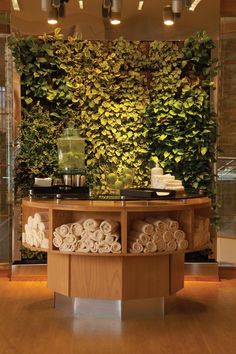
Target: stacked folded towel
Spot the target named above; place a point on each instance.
(36, 231)
(167, 181)
(156, 235)
(88, 235)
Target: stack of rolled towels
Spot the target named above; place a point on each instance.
(156, 234)
(36, 231)
(88, 235)
(201, 235)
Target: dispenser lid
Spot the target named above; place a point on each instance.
(71, 132)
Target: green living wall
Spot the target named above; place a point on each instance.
(132, 101)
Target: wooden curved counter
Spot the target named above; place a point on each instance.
(117, 276)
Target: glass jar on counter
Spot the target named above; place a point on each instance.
(71, 151)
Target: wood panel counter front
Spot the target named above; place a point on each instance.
(124, 275)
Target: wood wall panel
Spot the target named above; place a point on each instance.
(228, 8)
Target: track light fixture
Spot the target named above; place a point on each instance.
(55, 9)
(177, 7)
(53, 16)
(115, 12)
(168, 16)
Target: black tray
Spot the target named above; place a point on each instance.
(60, 192)
(148, 193)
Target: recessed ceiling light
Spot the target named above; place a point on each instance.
(15, 5)
(81, 4)
(194, 5)
(140, 5)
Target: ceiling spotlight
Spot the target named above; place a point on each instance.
(115, 18)
(62, 10)
(53, 16)
(177, 7)
(56, 3)
(45, 5)
(115, 15)
(168, 16)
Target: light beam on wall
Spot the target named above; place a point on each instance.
(15, 5)
(194, 5)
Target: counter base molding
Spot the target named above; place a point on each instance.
(114, 309)
(201, 271)
(122, 284)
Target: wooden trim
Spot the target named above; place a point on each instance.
(5, 6)
(5, 271)
(227, 8)
(227, 272)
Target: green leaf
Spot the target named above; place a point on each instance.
(162, 137)
(28, 100)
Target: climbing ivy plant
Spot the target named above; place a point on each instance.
(182, 126)
(132, 101)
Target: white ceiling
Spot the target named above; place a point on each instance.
(136, 25)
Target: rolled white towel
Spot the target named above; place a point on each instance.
(157, 235)
(139, 237)
(37, 218)
(97, 235)
(30, 221)
(135, 247)
(116, 247)
(109, 226)
(150, 247)
(159, 225)
(65, 247)
(70, 239)
(76, 228)
(116, 237)
(161, 246)
(109, 239)
(34, 224)
(57, 240)
(89, 243)
(38, 238)
(42, 226)
(94, 249)
(29, 238)
(64, 230)
(45, 243)
(103, 247)
(23, 237)
(82, 247)
(182, 244)
(27, 229)
(179, 235)
(86, 234)
(171, 245)
(143, 226)
(172, 225)
(167, 236)
(91, 224)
